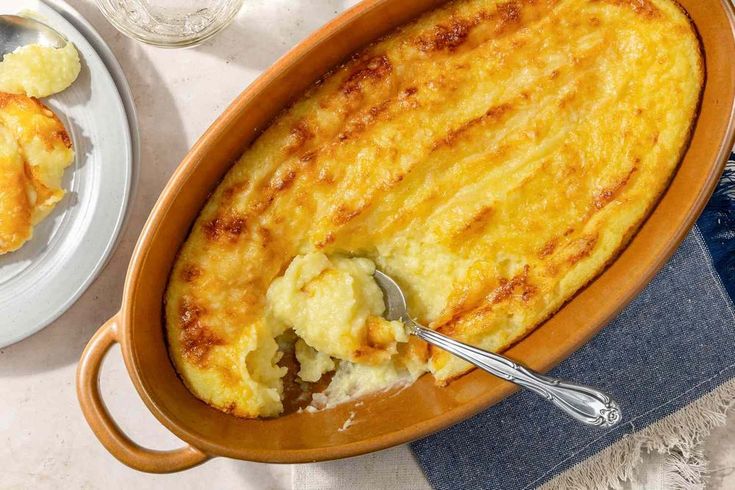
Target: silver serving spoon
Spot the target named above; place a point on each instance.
(583, 403)
(17, 31)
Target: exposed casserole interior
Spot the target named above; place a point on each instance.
(39, 71)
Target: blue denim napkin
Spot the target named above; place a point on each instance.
(671, 346)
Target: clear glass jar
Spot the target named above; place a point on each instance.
(170, 23)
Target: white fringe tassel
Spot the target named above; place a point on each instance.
(679, 436)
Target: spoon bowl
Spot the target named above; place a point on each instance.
(583, 403)
(17, 31)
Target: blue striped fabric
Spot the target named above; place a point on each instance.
(673, 344)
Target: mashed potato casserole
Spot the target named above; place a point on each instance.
(492, 156)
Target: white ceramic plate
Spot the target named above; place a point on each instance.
(70, 247)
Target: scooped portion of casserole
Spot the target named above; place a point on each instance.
(492, 156)
(35, 148)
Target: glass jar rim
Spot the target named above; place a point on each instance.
(163, 41)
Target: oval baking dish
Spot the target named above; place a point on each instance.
(423, 408)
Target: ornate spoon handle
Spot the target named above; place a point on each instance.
(585, 404)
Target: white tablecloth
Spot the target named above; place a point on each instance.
(44, 440)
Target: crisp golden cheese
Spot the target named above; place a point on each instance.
(492, 156)
(39, 71)
(15, 195)
(33, 136)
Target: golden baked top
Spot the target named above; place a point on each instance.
(492, 156)
(34, 151)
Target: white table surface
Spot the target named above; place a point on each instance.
(44, 440)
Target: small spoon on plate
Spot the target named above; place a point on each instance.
(17, 31)
(585, 404)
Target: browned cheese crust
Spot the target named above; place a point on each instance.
(493, 156)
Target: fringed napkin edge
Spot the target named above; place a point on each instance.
(680, 436)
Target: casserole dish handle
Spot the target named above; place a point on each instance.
(105, 428)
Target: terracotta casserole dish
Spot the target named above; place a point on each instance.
(422, 408)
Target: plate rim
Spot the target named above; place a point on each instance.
(111, 63)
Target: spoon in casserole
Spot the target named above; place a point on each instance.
(583, 403)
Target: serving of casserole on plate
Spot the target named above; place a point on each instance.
(504, 160)
(79, 149)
